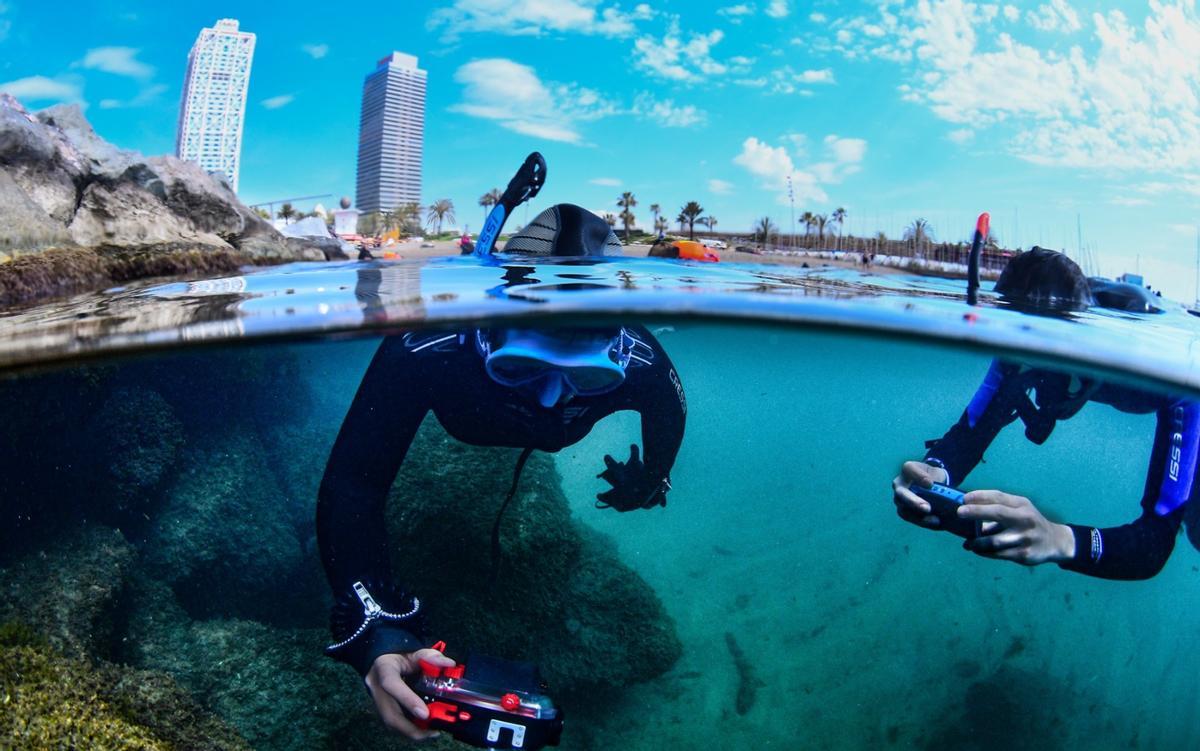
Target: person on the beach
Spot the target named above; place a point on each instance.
(536, 389)
(1012, 527)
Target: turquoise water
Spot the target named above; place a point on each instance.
(157, 515)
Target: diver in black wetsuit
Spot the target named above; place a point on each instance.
(540, 389)
(1013, 528)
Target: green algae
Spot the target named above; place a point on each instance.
(52, 701)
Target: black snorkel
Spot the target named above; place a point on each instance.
(523, 186)
(981, 233)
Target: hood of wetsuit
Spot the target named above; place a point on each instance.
(565, 230)
(1044, 281)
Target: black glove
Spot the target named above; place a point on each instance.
(632, 486)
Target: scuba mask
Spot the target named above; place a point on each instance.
(553, 362)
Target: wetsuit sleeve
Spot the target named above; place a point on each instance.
(1140, 549)
(992, 408)
(657, 395)
(393, 398)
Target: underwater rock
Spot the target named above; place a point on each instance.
(52, 701)
(223, 539)
(61, 185)
(68, 593)
(136, 438)
(274, 685)
(562, 599)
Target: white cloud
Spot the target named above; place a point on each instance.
(147, 95)
(607, 182)
(666, 113)
(514, 97)
(674, 59)
(121, 61)
(1012, 12)
(275, 102)
(1056, 15)
(315, 51)
(961, 135)
(817, 17)
(785, 80)
(720, 187)
(778, 9)
(735, 12)
(536, 18)
(43, 89)
(846, 150)
(1188, 230)
(824, 75)
(773, 165)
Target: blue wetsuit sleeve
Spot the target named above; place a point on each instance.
(992, 408)
(375, 436)
(1140, 549)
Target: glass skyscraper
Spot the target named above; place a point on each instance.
(214, 99)
(391, 135)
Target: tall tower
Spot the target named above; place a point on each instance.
(214, 99)
(391, 134)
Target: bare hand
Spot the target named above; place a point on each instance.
(392, 696)
(910, 507)
(1014, 530)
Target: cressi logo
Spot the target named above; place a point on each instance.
(1176, 447)
(678, 390)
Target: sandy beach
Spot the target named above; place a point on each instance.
(413, 249)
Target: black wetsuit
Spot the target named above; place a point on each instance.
(412, 374)
(1136, 550)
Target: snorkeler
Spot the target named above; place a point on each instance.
(1011, 526)
(535, 389)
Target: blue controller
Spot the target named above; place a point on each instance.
(945, 500)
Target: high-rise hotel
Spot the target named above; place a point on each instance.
(391, 135)
(214, 99)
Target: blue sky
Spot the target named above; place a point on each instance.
(1038, 112)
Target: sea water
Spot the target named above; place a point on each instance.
(807, 613)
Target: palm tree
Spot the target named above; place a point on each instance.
(262, 212)
(409, 216)
(439, 211)
(655, 210)
(807, 218)
(918, 233)
(661, 224)
(839, 217)
(764, 230)
(285, 212)
(627, 202)
(612, 220)
(390, 220)
(682, 221)
(488, 200)
(820, 220)
(691, 211)
(710, 222)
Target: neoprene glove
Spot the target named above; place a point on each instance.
(632, 486)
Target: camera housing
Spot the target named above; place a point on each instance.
(490, 703)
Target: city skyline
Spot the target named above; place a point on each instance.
(212, 109)
(391, 135)
(1051, 115)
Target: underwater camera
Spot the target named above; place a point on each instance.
(945, 500)
(490, 703)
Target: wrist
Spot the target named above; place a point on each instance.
(1064, 543)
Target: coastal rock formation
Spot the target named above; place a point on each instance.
(68, 592)
(561, 597)
(61, 185)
